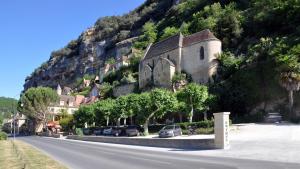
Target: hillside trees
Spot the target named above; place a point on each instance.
(149, 35)
(34, 103)
(289, 69)
(168, 32)
(225, 22)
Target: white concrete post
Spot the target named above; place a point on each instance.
(222, 130)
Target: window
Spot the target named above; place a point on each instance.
(201, 53)
(168, 57)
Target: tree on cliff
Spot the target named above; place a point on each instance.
(289, 69)
(195, 97)
(149, 36)
(155, 104)
(34, 103)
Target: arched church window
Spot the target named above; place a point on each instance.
(201, 53)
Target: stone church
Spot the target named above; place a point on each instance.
(195, 55)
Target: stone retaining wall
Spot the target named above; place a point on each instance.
(151, 142)
(124, 89)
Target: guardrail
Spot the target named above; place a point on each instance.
(151, 142)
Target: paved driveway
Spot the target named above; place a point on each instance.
(273, 142)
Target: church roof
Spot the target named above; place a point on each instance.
(163, 46)
(198, 37)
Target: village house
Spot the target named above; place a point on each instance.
(195, 55)
(66, 102)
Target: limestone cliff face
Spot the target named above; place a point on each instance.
(109, 37)
(86, 58)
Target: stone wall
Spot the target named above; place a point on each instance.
(146, 66)
(151, 142)
(124, 89)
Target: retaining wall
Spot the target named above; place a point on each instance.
(151, 142)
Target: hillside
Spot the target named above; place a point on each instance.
(253, 34)
(7, 106)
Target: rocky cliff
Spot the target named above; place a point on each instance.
(110, 37)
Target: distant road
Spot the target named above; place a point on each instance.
(86, 155)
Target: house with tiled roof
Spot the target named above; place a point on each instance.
(195, 55)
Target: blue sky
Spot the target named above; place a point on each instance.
(31, 29)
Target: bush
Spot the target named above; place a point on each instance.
(155, 128)
(3, 136)
(200, 124)
(79, 131)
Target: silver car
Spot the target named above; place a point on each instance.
(107, 131)
(170, 131)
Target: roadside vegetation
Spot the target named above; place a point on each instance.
(17, 154)
(148, 108)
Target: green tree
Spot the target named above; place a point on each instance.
(155, 104)
(168, 32)
(35, 103)
(103, 110)
(149, 36)
(289, 68)
(120, 110)
(195, 98)
(67, 122)
(132, 106)
(225, 22)
(84, 115)
(184, 28)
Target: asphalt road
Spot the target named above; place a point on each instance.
(86, 155)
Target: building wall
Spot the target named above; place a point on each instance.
(201, 70)
(163, 73)
(146, 66)
(57, 109)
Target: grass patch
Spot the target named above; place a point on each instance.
(20, 155)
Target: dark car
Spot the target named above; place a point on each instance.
(118, 131)
(170, 131)
(98, 131)
(273, 118)
(134, 130)
(86, 131)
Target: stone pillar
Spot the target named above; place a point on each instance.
(221, 130)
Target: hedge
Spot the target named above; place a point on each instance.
(3, 136)
(200, 124)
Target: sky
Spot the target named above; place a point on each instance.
(31, 29)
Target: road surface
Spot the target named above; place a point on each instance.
(86, 155)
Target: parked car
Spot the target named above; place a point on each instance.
(134, 130)
(86, 131)
(107, 131)
(118, 131)
(170, 131)
(98, 131)
(273, 118)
